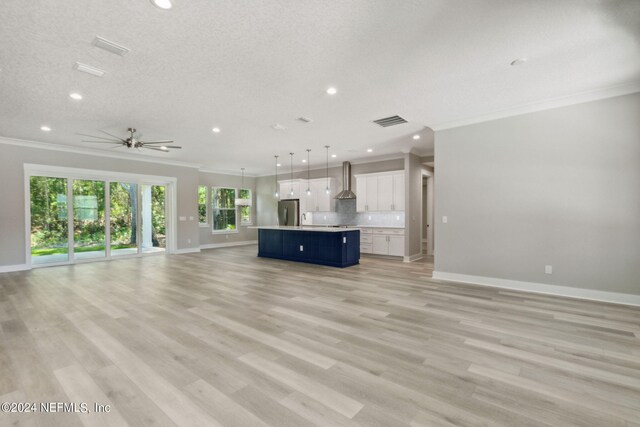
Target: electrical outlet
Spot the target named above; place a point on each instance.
(444, 219)
(548, 269)
(397, 217)
(324, 217)
(369, 217)
(301, 248)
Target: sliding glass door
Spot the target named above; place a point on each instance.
(74, 219)
(49, 220)
(154, 234)
(123, 218)
(89, 219)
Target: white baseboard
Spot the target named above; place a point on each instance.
(541, 288)
(186, 251)
(411, 258)
(227, 244)
(16, 267)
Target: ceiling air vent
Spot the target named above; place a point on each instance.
(304, 119)
(88, 69)
(390, 121)
(110, 46)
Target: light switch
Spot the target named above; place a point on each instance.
(183, 218)
(444, 219)
(548, 269)
(190, 218)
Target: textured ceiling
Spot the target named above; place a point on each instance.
(246, 65)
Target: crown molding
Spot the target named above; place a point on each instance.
(563, 101)
(228, 172)
(92, 152)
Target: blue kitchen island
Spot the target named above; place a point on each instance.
(337, 247)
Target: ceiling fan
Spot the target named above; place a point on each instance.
(133, 141)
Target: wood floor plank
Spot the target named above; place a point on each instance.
(222, 337)
(332, 399)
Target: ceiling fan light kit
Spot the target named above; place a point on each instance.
(132, 141)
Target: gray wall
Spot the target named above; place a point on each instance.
(413, 205)
(244, 233)
(558, 187)
(12, 214)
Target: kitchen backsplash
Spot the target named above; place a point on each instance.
(346, 214)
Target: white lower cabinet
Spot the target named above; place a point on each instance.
(382, 241)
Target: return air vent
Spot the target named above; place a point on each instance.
(390, 121)
(110, 46)
(88, 69)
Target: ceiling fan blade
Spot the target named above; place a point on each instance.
(157, 149)
(111, 135)
(105, 142)
(173, 146)
(97, 137)
(167, 141)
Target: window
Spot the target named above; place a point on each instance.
(224, 209)
(202, 204)
(245, 211)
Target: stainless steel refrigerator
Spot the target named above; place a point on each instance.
(289, 212)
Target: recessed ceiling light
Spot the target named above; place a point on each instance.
(75, 95)
(278, 165)
(369, 150)
(216, 130)
(162, 4)
(518, 61)
(332, 91)
(416, 136)
(304, 160)
(334, 156)
(45, 128)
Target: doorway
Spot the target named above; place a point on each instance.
(77, 218)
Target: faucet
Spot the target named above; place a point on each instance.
(304, 216)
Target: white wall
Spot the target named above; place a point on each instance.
(558, 187)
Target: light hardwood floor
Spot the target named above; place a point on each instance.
(225, 338)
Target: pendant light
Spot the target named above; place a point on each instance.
(291, 192)
(308, 183)
(327, 190)
(276, 194)
(239, 201)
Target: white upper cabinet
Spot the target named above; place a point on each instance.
(380, 192)
(317, 201)
(398, 192)
(285, 189)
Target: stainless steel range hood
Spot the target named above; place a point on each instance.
(346, 192)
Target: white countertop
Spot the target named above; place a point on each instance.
(379, 226)
(307, 228)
